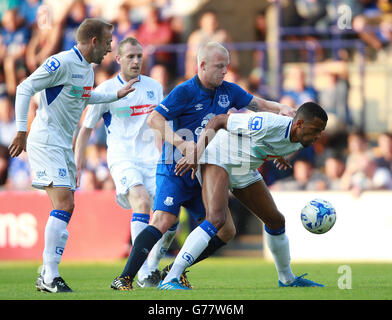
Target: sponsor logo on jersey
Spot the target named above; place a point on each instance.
(223, 100)
(199, 106)
(81, 92)
(123, 112)
(51, 65)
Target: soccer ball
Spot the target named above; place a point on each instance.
(318, 216)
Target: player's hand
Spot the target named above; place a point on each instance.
(151, 108)
(184, 165)
(286, 110)
(127, 88)
(18, 144)
(282, 164)
(189, 161)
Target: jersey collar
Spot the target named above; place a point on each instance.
(287, 134)
(80, 56)
(122, 81)
(200, 85)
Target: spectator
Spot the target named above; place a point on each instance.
(154, 31)
(123, 26)
(7, 121)
(334, 169)
(372, 26)
(208, 30)
(361, 172)
(160, 73)
(28, 10)
(43, 43)
(298, 89)
(76, 13)
(14, 40)
(304, 178)
(366, 175)
(384, 149)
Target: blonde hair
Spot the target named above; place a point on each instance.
(205, 50)
(132, 41)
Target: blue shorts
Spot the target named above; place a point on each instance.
(172, 193)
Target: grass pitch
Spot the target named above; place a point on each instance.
(213, 279)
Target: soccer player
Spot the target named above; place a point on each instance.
(189, 106)
(65, 82)
(132, 151)
(230, 161)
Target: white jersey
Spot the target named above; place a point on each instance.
(65, 82)
(250, 140)
(129, 138)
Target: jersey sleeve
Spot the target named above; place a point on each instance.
(53, 72)
(250, 124)
(173, 105)
(95, 111)
(241, 97)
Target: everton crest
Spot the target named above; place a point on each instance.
(223, 100)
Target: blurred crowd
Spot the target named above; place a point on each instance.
(344, 159)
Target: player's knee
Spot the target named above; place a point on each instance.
(218, 219)
(141, 206)
(227, 233)
(276, 221)
(65, 205)
(163, 221)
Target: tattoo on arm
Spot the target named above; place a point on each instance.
(252, 106)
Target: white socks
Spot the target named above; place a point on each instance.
(194, 245)
(279, 246)
(56, 236)
(161, 247)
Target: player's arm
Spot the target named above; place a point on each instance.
(190, 160)
(80, 150)
(49, 74)
(163, 130)
(107, 97)
(260, 104)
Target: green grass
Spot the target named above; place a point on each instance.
(213, 279)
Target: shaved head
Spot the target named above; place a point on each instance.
(206, 51)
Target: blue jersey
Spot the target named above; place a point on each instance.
(189, 107)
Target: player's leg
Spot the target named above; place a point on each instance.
(56, 235)
(215, 199)
(54, 170)
(258, 199)
(165, 215)
(139, 199)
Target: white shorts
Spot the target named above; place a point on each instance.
(50, 164)
(126, 175)
(240, 177)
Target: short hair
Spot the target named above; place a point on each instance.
(310, 110)
(132, 41)
(205, 49)
(92, 27)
